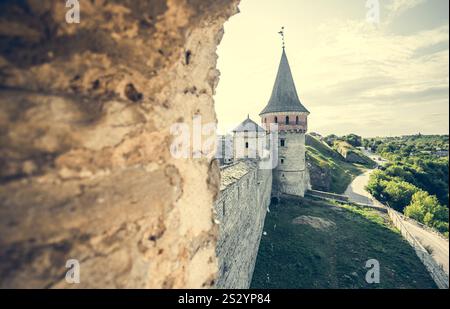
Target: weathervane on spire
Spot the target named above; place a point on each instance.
(282, 36)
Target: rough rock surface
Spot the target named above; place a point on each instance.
(320, 176)
(350, 153)
(315, 222)
(85, 166)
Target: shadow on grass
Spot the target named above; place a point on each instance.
(302, 256)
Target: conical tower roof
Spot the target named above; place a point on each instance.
(284, 95)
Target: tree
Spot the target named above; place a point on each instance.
(367, 142)
(396, 170)
(399, 193)
(425, 208)
(415, 211)
(377, 184)
(329, 139)
(353, 139)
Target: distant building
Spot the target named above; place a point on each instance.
(441, 153)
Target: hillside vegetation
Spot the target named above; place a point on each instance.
(351, 153)
(415, 181)
(315, 244)
(329, 171)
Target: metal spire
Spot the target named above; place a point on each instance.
(282, 37)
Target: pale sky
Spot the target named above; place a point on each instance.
(353, 76)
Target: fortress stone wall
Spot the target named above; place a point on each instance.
(240, 210)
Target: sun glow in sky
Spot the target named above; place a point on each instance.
(380, 79)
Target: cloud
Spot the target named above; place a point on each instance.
(376, 77)
(397, 7)
(407, 97)
(352, 75)
(423, 51)
(359, 86)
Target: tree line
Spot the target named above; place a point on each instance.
(415, 181)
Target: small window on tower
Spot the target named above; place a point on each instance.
(246, 145)
(296, 120)
(276, 119)
(282, 142)
(282, 161)
(287, 119)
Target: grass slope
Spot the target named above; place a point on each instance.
(342, 172)
(300, 256)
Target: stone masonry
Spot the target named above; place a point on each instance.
(241, 209)
(291, 175)
(85, 167)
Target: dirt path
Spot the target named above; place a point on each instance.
(439, 247)
(356, 189)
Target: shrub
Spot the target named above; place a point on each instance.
(399, 193)
(377, 184)
(353, 139)
(425, 208)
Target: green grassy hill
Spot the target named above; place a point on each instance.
(315, 244)
(329, 170)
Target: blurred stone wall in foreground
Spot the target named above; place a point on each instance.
(85, 166)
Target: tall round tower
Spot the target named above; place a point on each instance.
(285, 109)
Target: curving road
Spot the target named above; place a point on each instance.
(431, 241)
(356, 190)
